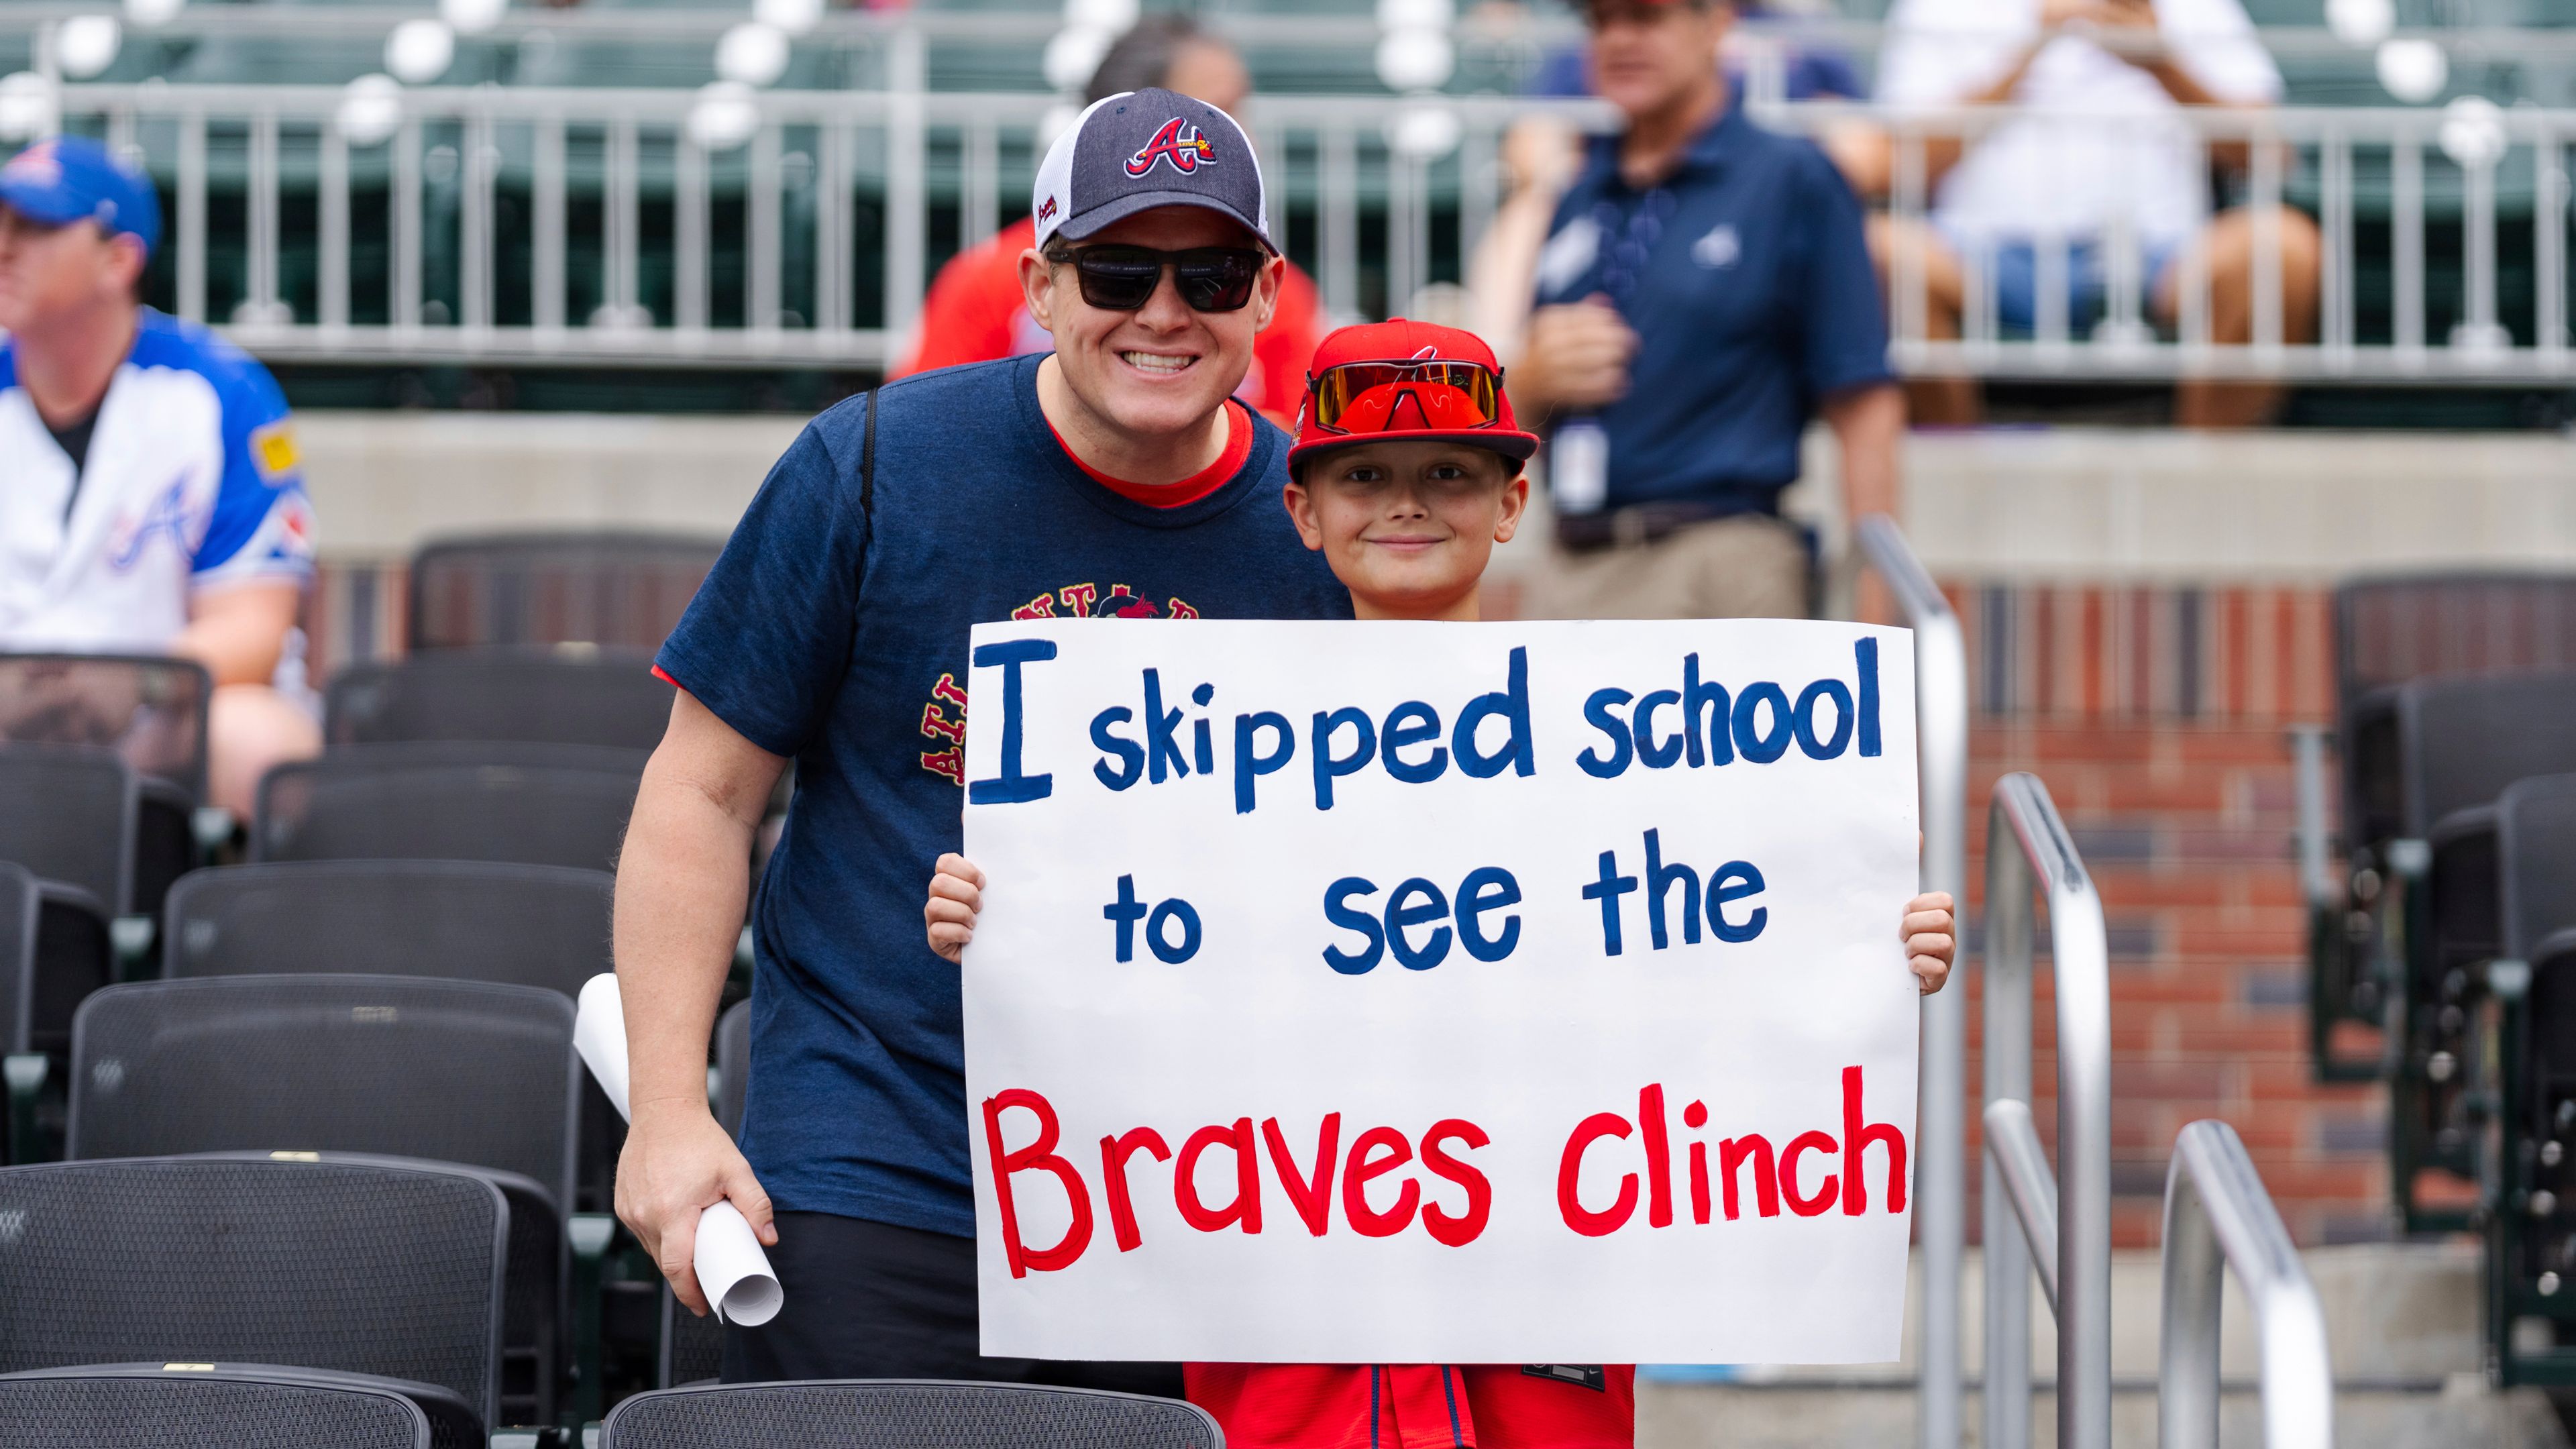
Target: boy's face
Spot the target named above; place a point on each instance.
(1408, 526)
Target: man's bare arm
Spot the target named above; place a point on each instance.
(1869, 431)
(238, 632)
(683, 881)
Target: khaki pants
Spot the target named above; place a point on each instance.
(1749, 566)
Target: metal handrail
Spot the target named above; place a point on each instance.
(1940, 1175)
(2218, 1216)
(2013, 1142)
(2029, 853)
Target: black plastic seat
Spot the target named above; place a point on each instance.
(903, 1414)
(609, 698)
(616, 590)
(55, 950)
(152, 711)
(371, 1267)
(451, 1071)
(693, 1347)
(522, 925)
(67, 814)
(237, 1405)
(560, 805)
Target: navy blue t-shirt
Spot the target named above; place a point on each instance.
(838, 635)
(1747, 278)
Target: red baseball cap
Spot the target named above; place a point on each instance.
(1407, 381)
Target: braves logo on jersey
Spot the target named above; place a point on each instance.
(167, 514)
(943, 717)
(1186, 151)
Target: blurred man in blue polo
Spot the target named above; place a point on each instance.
(150, 497)
(1705, 292)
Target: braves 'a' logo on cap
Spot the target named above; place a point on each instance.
(1186, 151)
(1046, 208)
(36, 164)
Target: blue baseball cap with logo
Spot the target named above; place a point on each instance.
(71, 178)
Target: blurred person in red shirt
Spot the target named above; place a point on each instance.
(974, 312)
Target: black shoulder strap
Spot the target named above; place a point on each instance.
(868, 461)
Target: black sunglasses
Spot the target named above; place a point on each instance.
(1123, 278)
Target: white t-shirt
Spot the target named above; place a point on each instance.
(2042, 175)
(192, 483)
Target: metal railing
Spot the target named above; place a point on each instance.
(2218, 1216)
(1940, 1178)
(450, 234)
(2402, 178)
(2028, 854)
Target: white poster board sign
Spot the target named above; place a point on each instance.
(1423, 993)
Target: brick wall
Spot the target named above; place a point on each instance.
(2157, 718)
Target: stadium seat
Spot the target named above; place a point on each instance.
(150, 710)
(521, 925)
(54, 952)
(530, 804)
(372, 1267)
(900, 1414)
(2460, 742)
(693, 1347)
(240, 1406)
(71, 817)
(2388, 633)
(2532, 1240)
(450, 1071)
(609, 698)
(610, 589)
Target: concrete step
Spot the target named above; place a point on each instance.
(2461, 1413)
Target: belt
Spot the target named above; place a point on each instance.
(1639, 523)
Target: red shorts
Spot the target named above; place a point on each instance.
(1419, 1406)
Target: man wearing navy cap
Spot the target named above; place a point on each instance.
(151, 500)
(1705, 293)
(1114, 476)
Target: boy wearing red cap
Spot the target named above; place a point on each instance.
(1406, 472)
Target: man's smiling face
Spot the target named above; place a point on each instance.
(1163, 368)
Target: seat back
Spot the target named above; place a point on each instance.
(67, 814)
(455, 1071)
(2462, 741)
(151, 711)
(240, 1406)
(900, 1414)
(610, 699)
(2536, 848)
(530, 804)
(733, 1065)
(372, 1268)
(2391, 631)
(617, 590)
(522, 925)
(22, 908)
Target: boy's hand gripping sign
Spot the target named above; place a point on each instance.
(1421, 993)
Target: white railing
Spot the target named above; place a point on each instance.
(2338, 157)
(454, 284)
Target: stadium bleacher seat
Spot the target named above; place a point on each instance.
(530, 804)
(524, 925)
(2531, 1240)
(888, 1413)
(693, 1347)
(613, 590)
(71, 817)
(150, 710)
(611, 698)
(450, 1071)
(54, 951)
(240, 1406)
(361, 1266)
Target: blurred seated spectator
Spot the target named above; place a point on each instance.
(974, 312)
(151, 499)
(2099, 149)
(1807, 72)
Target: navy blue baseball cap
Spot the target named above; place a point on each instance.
(72, 178)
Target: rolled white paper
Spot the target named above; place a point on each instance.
(732, 1270)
